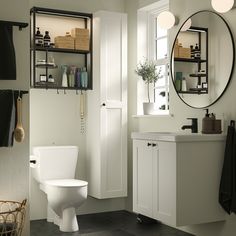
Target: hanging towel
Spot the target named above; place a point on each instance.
(7, 118)
(7, 53)
(227, 182)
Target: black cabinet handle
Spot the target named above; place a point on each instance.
(154, 144)
(104, 104)
(33, 161)
(149, 144)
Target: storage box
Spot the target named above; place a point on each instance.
(67, 42)
(176, 50)
(77, 32)
(184, 52)
(82, 43)
(81, 37)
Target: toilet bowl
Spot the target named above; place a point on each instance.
(54, 169)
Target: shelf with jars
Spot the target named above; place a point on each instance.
(61, 49)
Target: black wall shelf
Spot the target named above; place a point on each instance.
(21, 25)
(42, 53)
(190, 60)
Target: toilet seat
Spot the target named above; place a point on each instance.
(66, 183)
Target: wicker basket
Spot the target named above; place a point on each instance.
(12, 215)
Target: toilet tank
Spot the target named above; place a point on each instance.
(54, 162)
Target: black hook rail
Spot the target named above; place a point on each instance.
(21, 25)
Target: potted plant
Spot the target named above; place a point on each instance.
(148, 71)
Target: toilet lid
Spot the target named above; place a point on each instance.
(66, 183)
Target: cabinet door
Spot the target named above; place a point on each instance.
(113, 99)
(143, 177)
(164, 190)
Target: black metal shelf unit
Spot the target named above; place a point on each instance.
(198, 61)
(84, 55)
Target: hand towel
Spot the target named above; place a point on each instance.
(7, 53)
(7, 118)
(227, 179)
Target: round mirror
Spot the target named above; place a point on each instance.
(202, 59)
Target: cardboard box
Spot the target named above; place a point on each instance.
(184, 52)
(78, 32)
(67, 42)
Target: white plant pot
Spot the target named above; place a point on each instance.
(148, 108)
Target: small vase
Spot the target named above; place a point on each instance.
(148, 108)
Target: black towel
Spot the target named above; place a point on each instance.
(7, 117)
(7, 53)
(227, 183)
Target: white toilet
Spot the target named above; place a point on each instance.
(54, 168)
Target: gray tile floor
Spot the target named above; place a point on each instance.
(117, 223)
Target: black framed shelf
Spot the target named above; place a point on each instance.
(48, 85)
(201, 91)
(60, 50)
(80, 61)
(187, 65)
(190, 60)
(197, 75)
(44, 66)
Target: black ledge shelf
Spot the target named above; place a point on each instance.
(193, 92)
(61, 50)
(197, 75)
(43, 66)
(191, 60)
(51, 86)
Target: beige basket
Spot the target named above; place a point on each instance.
(12, 215)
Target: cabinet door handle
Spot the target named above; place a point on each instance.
(154, 144)
(149, 144)
(104, 104)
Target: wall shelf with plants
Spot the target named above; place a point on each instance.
(61, 49)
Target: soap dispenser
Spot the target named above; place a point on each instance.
(208, 123)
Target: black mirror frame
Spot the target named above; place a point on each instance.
(233, 60)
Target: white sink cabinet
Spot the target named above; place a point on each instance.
(176, 177)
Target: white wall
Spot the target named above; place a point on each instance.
(55, 118)
(14, 165)
(182, 9)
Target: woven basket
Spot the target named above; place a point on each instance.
(12, 215)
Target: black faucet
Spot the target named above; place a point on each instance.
(193, 127)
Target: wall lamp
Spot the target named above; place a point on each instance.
(222, 6)
(166, 20)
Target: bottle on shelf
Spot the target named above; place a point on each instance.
(192, 51)
(38, 38)
(46, 40)
(84, 78)
(51, 79)
(72, 76)
(197, 54)
(78, 78)
(64, 76)
(184, 85)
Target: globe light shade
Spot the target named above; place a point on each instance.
(186, 25)
(166, 20)
(222, 6)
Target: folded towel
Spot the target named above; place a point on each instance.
(7, 118)
(7, 53)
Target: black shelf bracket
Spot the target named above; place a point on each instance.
(21, 25)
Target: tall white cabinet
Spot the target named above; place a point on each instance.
(107, 108)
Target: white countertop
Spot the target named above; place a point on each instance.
(178, 137)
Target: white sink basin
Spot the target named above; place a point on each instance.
(177, 136)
